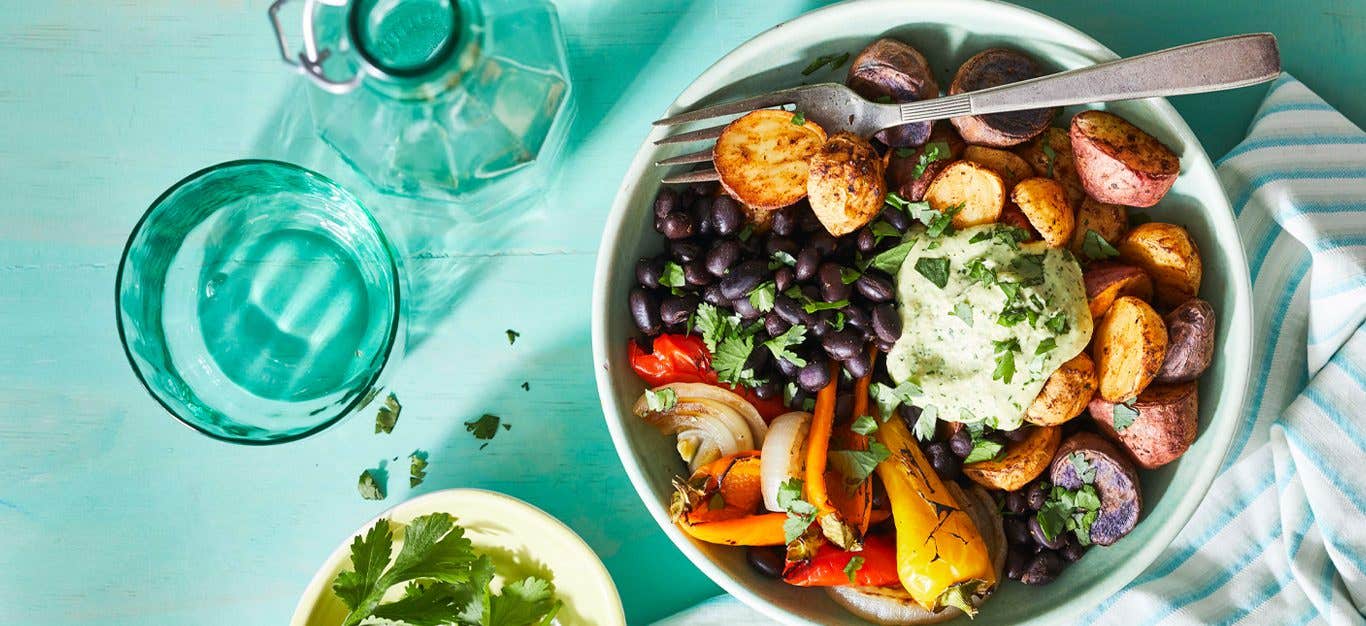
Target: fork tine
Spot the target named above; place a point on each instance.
(694, 135)
(776, 98)
(701, 156)
(692, 177)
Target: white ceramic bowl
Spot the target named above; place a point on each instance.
(947, 32)
(518, 537)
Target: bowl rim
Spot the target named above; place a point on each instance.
(1239, 284)
(395, 325)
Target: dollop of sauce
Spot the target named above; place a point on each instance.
(985, 320)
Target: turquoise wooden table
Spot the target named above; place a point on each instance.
(111, 513)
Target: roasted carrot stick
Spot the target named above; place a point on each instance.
(818, 444)
(860, 505)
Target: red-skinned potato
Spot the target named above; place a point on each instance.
(1106, 280)
(1118, 162)
(1163, 429)
(1190, 342)
(991, 68)
(903, 164)
(1116, 482)
(1011, 214)
(889, 68)
(1050, 154)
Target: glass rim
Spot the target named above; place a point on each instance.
(438, 57)
(394, 323)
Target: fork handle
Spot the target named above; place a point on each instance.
(1214, 65)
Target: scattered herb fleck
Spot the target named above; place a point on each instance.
(798, 118)
(832, 60)
(864, 425)
(484, 428)
(934, 269)
(1096, 247)
(526, 385)
(371, 484)
(417, 468)
(661, 399)
(387, 416)
(1124, 415)
(852, 567)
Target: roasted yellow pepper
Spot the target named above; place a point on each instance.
(940, 556)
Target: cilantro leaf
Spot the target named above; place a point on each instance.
(369, 556)
(941, 222)
(434, 549)
(1057, 324)
(1049, 155)
(891, 260)
(1096, 247)
(1052, 517)
(814, 306)
(1047, 345)
(800, 513)
(934, 151)
(527, 601)
(417, 468)
(852, 567)
(849, 276)
(1124, 415)
(925, 423)
(1085, 472)
(485, 427)
(782, 257)
(857, 465)
(712, 325)
(904, 153)
(762, 296)
(798, 118)
(864, 425)
(427, 603)
(833, 60)
(789, 491)
(672, 276)
(513, 335)
(889, 398)
(779, 345)
(729, 361)
(371, 485)
(661, 399)
(882, 229)
(963, 311)
(935, 270)
(387, 416)
(983, 450)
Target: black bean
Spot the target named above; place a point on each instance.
(1043, 569)
(831, 281)
(675, 309)
(783, 278)
(726, 216)
(665, 202)
(842, 344)
(856, 317)
(1017, 561)
(1019, 434)
(712, 295)
(908, 412)
(858, 365)
(886, 323)
(1073, 551)
(814, 376)
(943, 461)
(644, 311)
(684, 251)
(875, 288)
(1017, 531)
(701, 209)
(865, 240)
(1036, 495)
(784, 221)
(818, 323)
(807, 221)
(897, 218)
(744, 307)
(722, 255)
(759, 358)
(648, 271)
(807, 261)
(995, 436)
(811, 292)
(703, 188)
(961, 442)
(767, 560)
(1015, 502)
(678, 225)
(743, 278)
(695, 274)
(788, 309)
(774, 245)
(774, 324)
(823, 242)
(788, 368)
(1036, 531)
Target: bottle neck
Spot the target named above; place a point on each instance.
(415, 49)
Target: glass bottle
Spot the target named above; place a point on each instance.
(459, 100)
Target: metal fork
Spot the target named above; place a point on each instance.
(1213, 65)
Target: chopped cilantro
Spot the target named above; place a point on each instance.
(1085, 472)
(883, 99)
(982, 450)
(889, 398)
(782, 258)
(762, 296)
(812, 306)
(661, 399)
(934, 151)
(371, 484)
(729, 361)
(904, 153)
(387, 416)
(941, 222)
(1049, 155)
(864, 425)
(1005, 367)
(833, 60)
(1070, 510)
(791, 337)
(838, 322)
(891, 260)
(849, 276)
(746, 232)
(963, 311)
(1047, 345)
(852, 567)
(798, 118)
(1096, 247)
(800, 513)
(484, 428)
(672, 276)
(857, 465)
(935, 270)
(417, 468)
(513, 335)
(883, 230)
(924, 425)
(1057, 324)
(1124, 415)
(526, 385)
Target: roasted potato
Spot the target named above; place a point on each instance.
(892, 69)
(1190, 342)
(1045, 204)
(991, 68)
(1169, 255)
(1106, 281)
(1115, 480)
(1065, 393)
(979, 191)
(1011, 214)
(1009, 165)
(1110, 221)
(904, 174)
(1118, 162)
(1164, 427)
(1024, 461)
(846, 187)
(1130, 343)
(1051, 156)
(762, 157)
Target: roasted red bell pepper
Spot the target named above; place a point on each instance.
(826, 569)
(685, 359)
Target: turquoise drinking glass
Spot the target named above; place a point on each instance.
(259, 302)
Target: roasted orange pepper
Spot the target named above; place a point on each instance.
(720, 503)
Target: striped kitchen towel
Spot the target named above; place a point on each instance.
(1281, 537)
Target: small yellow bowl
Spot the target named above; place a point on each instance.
(521, 539)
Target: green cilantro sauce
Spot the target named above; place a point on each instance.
(982, 332)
